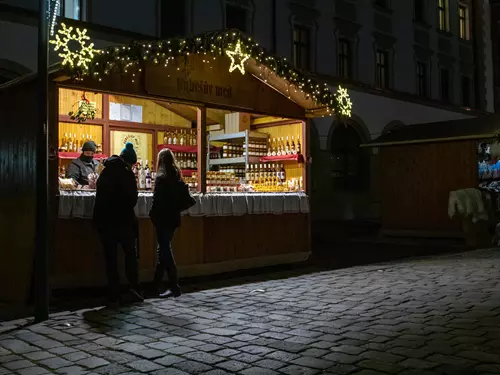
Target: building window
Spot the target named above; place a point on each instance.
(382, 79)
(419, 10)
(466, 91)
(72, 9)
(445, 85)
(421, 79)
(344, 59)
(236, 18)
(463, 16)
(443, 13)
(301, 47)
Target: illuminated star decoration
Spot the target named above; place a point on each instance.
(344, 102)
(82, 57)
(237, 54)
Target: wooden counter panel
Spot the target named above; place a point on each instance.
(78, 253)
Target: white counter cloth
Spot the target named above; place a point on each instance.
(80, 204)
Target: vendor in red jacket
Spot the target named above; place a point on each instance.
(80, 168)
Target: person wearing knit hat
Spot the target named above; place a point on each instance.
(128, 154)
(115, 220)
(81, 167)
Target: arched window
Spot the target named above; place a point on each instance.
(350, 163)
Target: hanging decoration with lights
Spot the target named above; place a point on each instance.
(82, 57)
(238, 58)
(344, 102)
(130, 60)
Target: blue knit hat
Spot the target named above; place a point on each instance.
(128, 154)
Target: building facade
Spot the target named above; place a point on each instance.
(405, 62)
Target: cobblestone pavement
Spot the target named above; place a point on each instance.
(427, 316)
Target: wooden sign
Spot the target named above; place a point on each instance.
(138, 139)
(206, 80)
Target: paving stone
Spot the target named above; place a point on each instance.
(111, 369)
(72, 370)
(92, 362)
(258, 371)
(150, 353)
(247, 357)
(341, 369)
(192, 367)
(144, 365)
(270, 364)
(55, 363)
(16, 365)
(316, 363)
(381, 356)
(345, 359)
(179, 350)
(169, 360)
(385, 367)
(60, 350)
(17, 346)
(233, 366)
(39, 355)
(35, 370)
(216, 372)
(298, 370)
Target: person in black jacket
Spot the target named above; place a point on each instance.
(80, 168)
(166, 217)
(115, 220)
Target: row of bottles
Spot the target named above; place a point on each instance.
(237, 170)
(73, 143)
(281, 147)
(256, 173)
(230, 150)
(180, 137)
(186, 160)
(144, 176)
(255, 148)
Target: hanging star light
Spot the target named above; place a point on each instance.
(82, 57)
(237, 53)
(344, 102)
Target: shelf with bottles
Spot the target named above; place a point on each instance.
(285, 148)
(239, 148)
(180, 137)
(145, 176)
(299, 158)
(222, 181)
(71, 143)
(272, 178)
(75, 155)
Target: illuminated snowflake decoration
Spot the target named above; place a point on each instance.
(238, 58)
(344, 102)
(83, 55)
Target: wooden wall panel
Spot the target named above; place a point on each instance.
(153, 113)
(417, 180)
(18, 124)
(69, 99)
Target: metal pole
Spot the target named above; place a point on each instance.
(42, 181)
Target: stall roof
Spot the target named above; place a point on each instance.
(471, 128)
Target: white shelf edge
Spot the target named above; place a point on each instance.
(240, 160)
(239, 135)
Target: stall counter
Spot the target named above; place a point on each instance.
(223, 232)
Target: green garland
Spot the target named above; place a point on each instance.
(130, 59)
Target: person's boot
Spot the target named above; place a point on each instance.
(157, 279)
(174, 290)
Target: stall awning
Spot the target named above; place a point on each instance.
(472, 128)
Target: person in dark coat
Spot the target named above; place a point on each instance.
(80, 168)
(166, 217)
(115, 220)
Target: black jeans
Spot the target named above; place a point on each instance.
(110, 239)
(165, 261)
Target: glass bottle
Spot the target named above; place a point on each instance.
(174, 139)
(292, 147)
(287, 146)
(299, 146)
(165, 138)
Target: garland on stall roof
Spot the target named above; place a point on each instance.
(128, 59)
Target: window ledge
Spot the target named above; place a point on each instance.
(448, 34)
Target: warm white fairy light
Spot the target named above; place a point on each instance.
(237, 54)
(54, 10)
(80, 58)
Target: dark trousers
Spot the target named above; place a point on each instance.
(127, 239)
(165, 261)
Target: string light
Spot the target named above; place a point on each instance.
(131, 59)
(82, 57)
(54, 11)
(237, 54)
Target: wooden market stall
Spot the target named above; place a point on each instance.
(242, 140)
(420, 165)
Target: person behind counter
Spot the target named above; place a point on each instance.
(171, 196)
(80, 168)
(115, 220)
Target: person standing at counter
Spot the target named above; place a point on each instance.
(80, 168)
(171, 196)
(115, 220)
